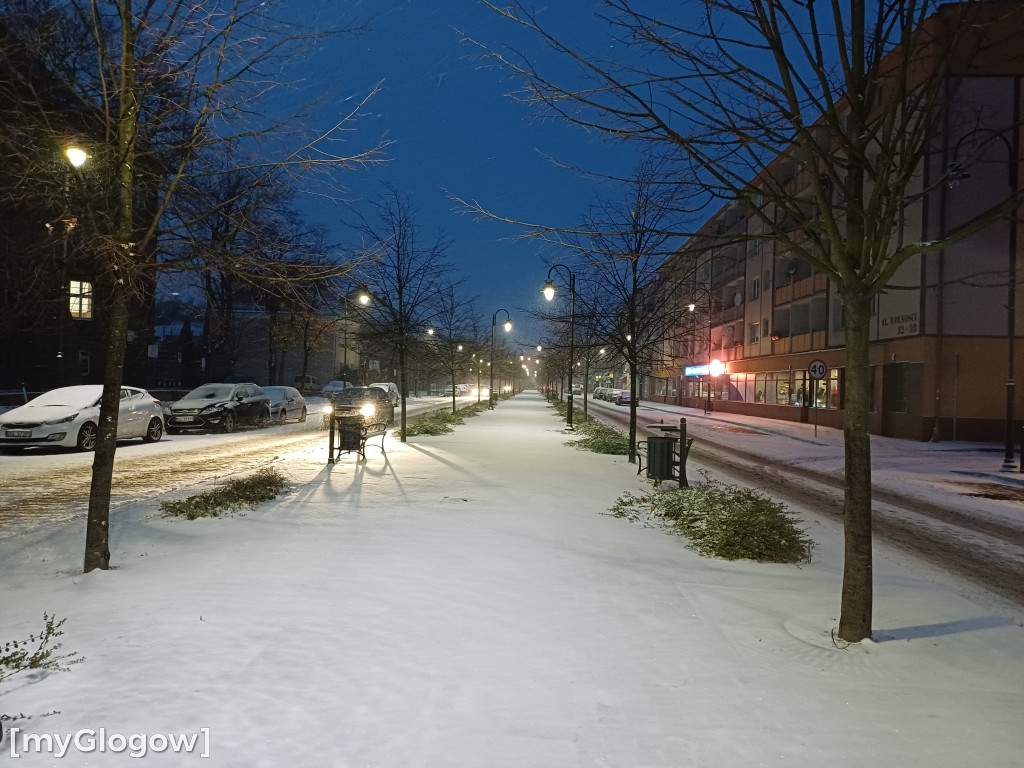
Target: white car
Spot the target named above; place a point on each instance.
(334, 386)
(68, 416)
(390, 388)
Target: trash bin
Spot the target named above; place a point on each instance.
(661, 458)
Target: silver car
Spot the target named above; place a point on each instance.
(68, 417)
(286, 403)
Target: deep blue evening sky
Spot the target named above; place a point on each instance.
(453, 127)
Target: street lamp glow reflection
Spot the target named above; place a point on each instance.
(716, 368)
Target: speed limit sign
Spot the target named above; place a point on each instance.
(817, 369)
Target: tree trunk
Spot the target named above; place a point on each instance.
(855, 613)
(97, 547)
(586, 385)
(632, 412)
(122, 278)
(402, 387)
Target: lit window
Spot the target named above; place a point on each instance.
(754, 333)
(80, 293)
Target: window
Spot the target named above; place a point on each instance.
(754, 333)
(80, 299)
(84, 363)
(895, 387)
(755, 288)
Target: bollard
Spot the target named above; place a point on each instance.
(684, 451)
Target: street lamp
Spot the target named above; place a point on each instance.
(549, 293)
(479, 364)
(956, 173)
(490, 365)
(715, 367)
(77, 158)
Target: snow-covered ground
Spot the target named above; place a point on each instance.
(464, 602)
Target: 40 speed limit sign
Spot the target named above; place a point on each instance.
(817, 369)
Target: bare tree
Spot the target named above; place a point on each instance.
(161, 94)
(619, 248)
(407, 274)
(452, 341)
(746, 94)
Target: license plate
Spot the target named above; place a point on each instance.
(19, 433)
(186, 418)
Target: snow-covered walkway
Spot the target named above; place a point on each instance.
(466, 603)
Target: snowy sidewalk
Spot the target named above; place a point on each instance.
(956, 475)
(466, 603)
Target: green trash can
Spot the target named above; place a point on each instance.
(661, 458)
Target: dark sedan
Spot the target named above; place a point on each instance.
(219, 407)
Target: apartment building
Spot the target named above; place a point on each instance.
(945, 334)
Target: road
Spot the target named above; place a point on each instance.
(41, 488)
(952, 530)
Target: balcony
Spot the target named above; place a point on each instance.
(799, 289)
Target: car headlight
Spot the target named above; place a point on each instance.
(212, 408)
(328, 410)
(368, 410)
(62, 420)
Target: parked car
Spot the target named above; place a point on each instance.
(372, 404)
(625, 397)
(220, 407)
(68, 417)
(599, 392)
(611, 394)
(334, 386)
(286, 403)
(458, 389)
(391, 389)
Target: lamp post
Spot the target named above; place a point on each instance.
(77, 158)
(479, 364)
(508, 327)
(549, 293)
(1013, 157)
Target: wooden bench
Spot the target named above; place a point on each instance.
(349, 433)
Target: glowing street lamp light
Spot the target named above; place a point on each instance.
(715, 368)
(549, 293)
(76, 156)
(490, 364)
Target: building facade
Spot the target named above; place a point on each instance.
(945, 334)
